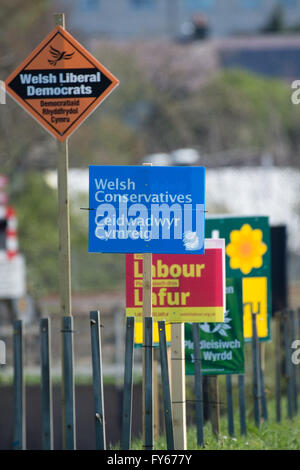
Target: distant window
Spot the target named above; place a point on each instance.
(251, 3)
(200, 4)
(89, 5)
(143, 3)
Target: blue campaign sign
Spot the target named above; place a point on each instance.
(146, 209)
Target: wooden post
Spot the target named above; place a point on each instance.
(147, 313)
(166, 385)
(128, 385)
(19, 436)
(46, 385)
(64, 239)
(278, 363)
(178, 386)
(214, 404)
(98, 381)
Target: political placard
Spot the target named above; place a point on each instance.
(60, 83)
(145, 209)
(186, 288)
(138, 334)
(248, 257)
(221, 344)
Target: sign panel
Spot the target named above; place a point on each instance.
(144, 209)
(221, 344)
(255, 297)
(12, 278)
(186, 288)
(248, 255)
(60, 83)
(138, 334)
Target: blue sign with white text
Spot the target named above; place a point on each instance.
(146, 209)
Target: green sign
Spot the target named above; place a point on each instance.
(221, 344)
(248, 257)
(247, 240)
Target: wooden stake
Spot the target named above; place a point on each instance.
(147, 312)
(178, 386)
(64, 241)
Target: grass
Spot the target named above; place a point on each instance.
(270, 436)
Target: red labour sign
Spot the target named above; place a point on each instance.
(186, 288)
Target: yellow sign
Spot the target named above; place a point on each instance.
(138, 333)
(255, 292)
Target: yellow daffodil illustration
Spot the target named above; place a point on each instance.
(246, 249)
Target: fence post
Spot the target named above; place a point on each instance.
(166, 385)
(69, 388)
(46, 385)
(229, 405)
(19, 439)
(97, 380)
(148, 383)
(256, 370)
(293, 323)
(264, 404)
(287, 349)
(128, 385)
(178, 392)
(278, 363)
(198, 385)
(242, 404)
(214, 404)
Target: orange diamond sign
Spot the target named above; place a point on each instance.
(60, 83)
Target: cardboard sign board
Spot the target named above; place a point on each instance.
(221, 344)
(279, 266)
(12, 278)
(138, 334)
(144, 209)
(60, 83)
(2, 353)
(255, 292)
(186, 288)
(248, 255)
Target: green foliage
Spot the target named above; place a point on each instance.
(234, 110)
(270, 436)
(37, 212)
(36, 205)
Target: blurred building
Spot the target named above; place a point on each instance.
(129, 19)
